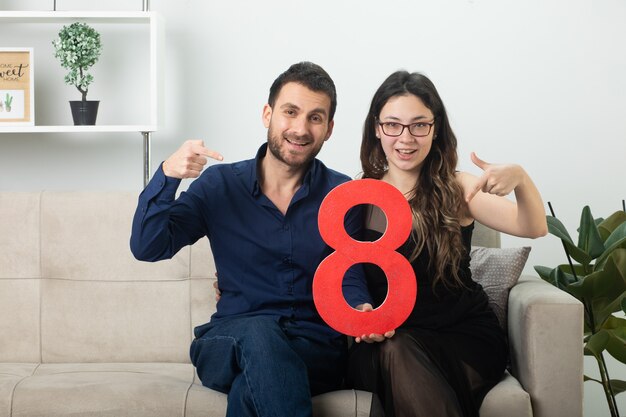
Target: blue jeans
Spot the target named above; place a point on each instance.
(269, 367)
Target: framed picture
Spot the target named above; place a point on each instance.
(17, 105)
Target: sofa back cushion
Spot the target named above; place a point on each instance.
(19, 277)
(71, 291)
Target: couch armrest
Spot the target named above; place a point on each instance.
(545, 335)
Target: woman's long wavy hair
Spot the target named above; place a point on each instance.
(437, 198)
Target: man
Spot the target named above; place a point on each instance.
(266, 345)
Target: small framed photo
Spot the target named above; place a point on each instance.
(17, 103)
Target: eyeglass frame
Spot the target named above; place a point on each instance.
(430, 128)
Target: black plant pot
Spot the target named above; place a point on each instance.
(84, 112)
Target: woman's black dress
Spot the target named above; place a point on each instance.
(447, 355)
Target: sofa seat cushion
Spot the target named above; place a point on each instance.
(203, 402)
(103, 389)
(508, 398)
(132, 390)
(347, 403)
(11, 374)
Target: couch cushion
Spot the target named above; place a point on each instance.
(19, 240)
(497, 270)
(508, 398)
(115, 390)
(19, 320)
(99, 304)
(484, 236)
(118, 321)
(202, 276)
(133, 390)
(202, 301)
(19, 277)
(202, 262)
(10, 376)
(85, 236)
(203, 402)
(346, 403)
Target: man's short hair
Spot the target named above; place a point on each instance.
(309, 75)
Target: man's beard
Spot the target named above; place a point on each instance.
(275, 147)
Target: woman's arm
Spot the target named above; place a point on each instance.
(485, 200)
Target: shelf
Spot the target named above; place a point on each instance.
(78, 129)
(156, 41)
(63, 16)
(152, 70)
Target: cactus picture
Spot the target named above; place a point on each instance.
(11, 104)
(7, 102)
(17, 101)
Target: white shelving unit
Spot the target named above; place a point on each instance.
(77, 129)
(151, 19)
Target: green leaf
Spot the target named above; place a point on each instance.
(577, 254)
(543, 272)
(618, 386)
(597, 343)
(578, 269)
(556, 228)
(620, 244)
(559, 277)
(616, 235)
(556, 276)
(615, 229)
(589, 239)
(581, 289)
(605, 289)
(588, 378)
(614, 323)
(577, 289)
(616, 345)
(580, 255)
(607, 226)
(624, 305)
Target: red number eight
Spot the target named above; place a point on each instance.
(327, 283)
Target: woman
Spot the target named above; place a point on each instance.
(451, 350)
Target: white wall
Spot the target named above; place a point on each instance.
(539, 82)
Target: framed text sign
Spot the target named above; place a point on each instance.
(16, 87)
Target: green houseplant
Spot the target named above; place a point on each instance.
(78, 47)
(598, 280)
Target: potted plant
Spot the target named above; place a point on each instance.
(598, 280)
(78, 48)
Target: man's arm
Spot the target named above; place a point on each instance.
(161, 224)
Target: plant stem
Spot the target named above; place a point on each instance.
(604, 370)
(83, 92)
(606, 383)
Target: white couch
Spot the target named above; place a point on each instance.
(86, 330)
